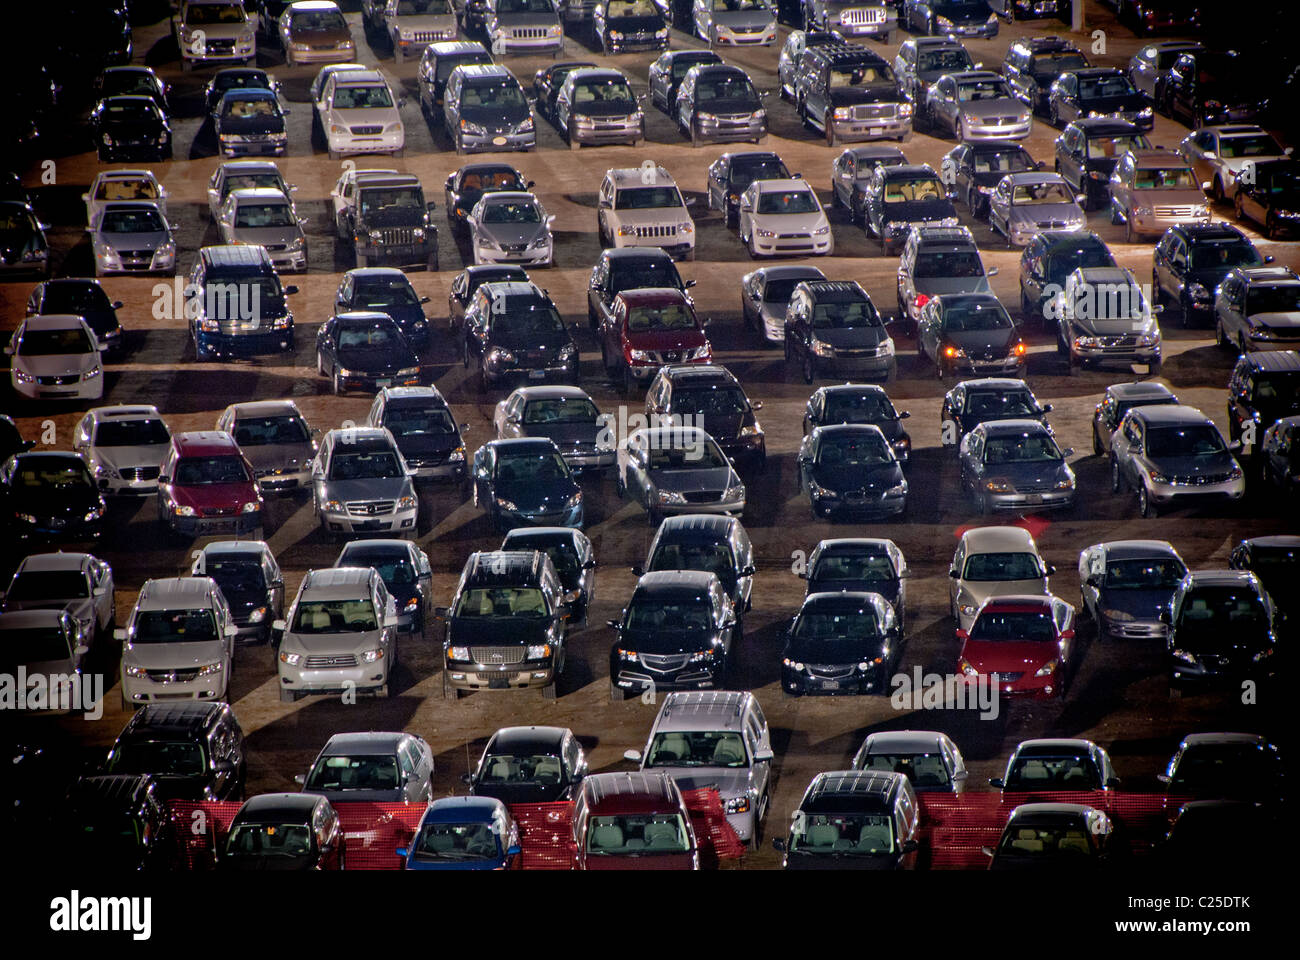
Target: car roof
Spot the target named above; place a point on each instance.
(856, 389)
(1269, 274)
(790, 272)
(1274, 540)
(259, 193)
(696, 527)
(503, 566)
(463, 810)
(235, 547)
(269, 806)
(371, 743)
(631, 792)
(362, 548)
(552, 391)
(531, 739)
(346, 435)
(1141, 389)
(54, 321)
(265, 408)
(902, 741)
(684, 372)
(852, 791)
(634, 177)
(652, 296)
(20, 619)
(1220, 578)
(172, 719)
(838, 600)
(526, 535)
(1156, 157)
(635, 253)
(507, 196)
(1104, 126)
(676, 581)
(999, 540)
(996, 428)
(246, 167)
(514, 288)
(523, 444)
(1047, 746)
(166, 593)
(1050, 811)
(854, 545)
(1168, 414)
(336, 583)
(994, 383)
(1222, 739)
(1138, 549)
(701, 710)
(49, 562)
(908, 171)
(1112, 275)
(792, 183)
(204, 443)
(1033, 176)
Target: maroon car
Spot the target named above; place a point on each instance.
(647, 328)
(208, 486)
(632, 821)
(1024, 644)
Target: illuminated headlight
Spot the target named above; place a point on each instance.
(376, 236)
(734, 492)
(568, 352)
(508, 505)
(497, 355)
(616, 34)
(408, 372)
(764, 233)
(897, 490)
(1145, 112)
(457, 455)
(1047, 669)
(372, 655)
(843, 113)
(944, 22)
(821, 349)
(108, 255)
(1148, 339)
(411, 605)
(131, 670)
(706, 118)
(822, 230)
(108, 141)
(904, 109)
(737, 805)
(700, 656)
(794, 665)
(93, 514)
(92, 373)
(661, 34)
(165, 254)
(1197, 291)
(1119, 616)
(251, 507)
(258, 615)
(1183, 655)
(1000, 486)
(574, 500)
(671, 496)
(332, 506)
(208, 669)
(686, 226)
(347, 45)
(25, 517)
(182, 510)
(406, 502)
(949, 222)
(1235, 473)
(629, 655)
(292, 659)
(300, 47)
(525, 127)
(967, 609)
(554, 31)
(639, 355)
(754, 429)
(541, 243)
(758, 115)
(967, 668)
(1094, 113)
(458, 653)
(537, 651)
(468, 126)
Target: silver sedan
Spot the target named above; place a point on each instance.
(1024, 204)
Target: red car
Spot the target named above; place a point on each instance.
(208, 486)
(632, 821)
(647, 328)
(1023, 643)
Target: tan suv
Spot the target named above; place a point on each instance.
(1152, 190)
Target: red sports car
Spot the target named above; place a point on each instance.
(1024, 644)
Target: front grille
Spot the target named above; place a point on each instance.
(860, 16)
(367, 130)
(1199, 480)
(758, 28)
(529, 33)
(1127, 340)
(654, 233)
(427, 460)
(860, 352)
(1005, 677)
(494, 655)
(276, 247)
(397, 236)
(874, 111)
(665, 356)
(136, 258)
(218, 511)
(58, 381)
(1051, 224)
(220, 47)
(514, 247)
(734, 120)
(830, 672)
(703, 496)
(323, 663)
(370, 508)
(139, 473)
(1175, 212)
(428, 36)
(323, 46)
(663, 664)
(172, 676)
(793, 236)
(1002, 121)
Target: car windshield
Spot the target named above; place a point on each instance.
(419, 421)
(647, 198)
(1143, 574)
(841, 315)
(1060, 263)
(668, 454)
(32, 645)
(196, 625)
(528, 468)
(377, 200)
(200, 470)
(244, 181)
(970, 317)
(635, 835)
(860, 75)
(212, 14)
(56, 475)
(854, 452)
(134, 188)
(525, 6)
(1277, 387)
(1225, 256)
(563, 554)
(870, 567)
(50, 343)
(669, 317)
(1217, 765)
(833, 626)
(1116, 85)
(561, 410)
(364, 465)
(269, 840)
(633, 273)
(248, 80)
(375, 294)
(745, 173)
(499, 178)
(1049, 66)
(369, 334)
(716, 401)
(1279, 299)
(74, 298)
(909, 191)
(944, 61)
(1034, 193)
(394, 569)
(1198, 440)
(1022, 448)
(1222, 613)
(264, 215)
(177, 758)
(603, 91)
(1046, 840)
(128, 84)
(842, 834)
(990, 89)
(449, 63)
(1004, 161)
(132, 221)
(249, 109)
(412, 8)
(1001, 404)
(524, 327)
(365, 772)
(951, 263)
(235, 574)
(1250, 145)
(721, 6)
(455, 842)
(524, 768)
(335, 616)
(686, 749)
(131, 433)
(1065, 772)
(725, 87)
(657, 615)
(992, 567)
(39, 585)
(318, 21)
(479, 602)
(787, 202)
(682, 64)
(511, 212)
(844, 407)
(498, 94)
(707, 557)
(922, 769)
(1112, 148)
(1274, 559)
(1014, 626)
(1164, 178)
(132, 111)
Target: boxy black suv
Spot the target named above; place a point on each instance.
(1264, 387)
(512, 329)
(850, 93)
(193, 750)
(241, 307)
(1087, 151)
(900, 196)
(1192, 259)
(1222, 624)
(717, 103)
(389, 220)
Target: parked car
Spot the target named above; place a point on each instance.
(112, 185)
(510, 227)
(718, 103)
(1015, 465)
(131, 80)
(708, 542)
(1190, 262)
(713, 398)
(129, 128)
(194, 751)
(372, 767)
(50, 495)
(572, 556)
(1032, 64)
(23, 237)
(647, 328)
(853, 820)
(629, 268)
(1218, 154)
(426, 432)
(1050, 257)
(783, 217)
(132, 237)
(56, 356)
(898, 197)
(362, 484)
(850, 93)
(548, 81)
(206, 485)
(265, 217)
(1057, 765)
(634, 821)
(1103, 317)
(920, 62)
(467, 185)
(931, 761)
(48, 647)
(1088, 150)
(851, 469)
(796, 42)
(1152, 190)
(1191, 841)
(365, 349)
(213, 31)
(1257, 309)
(863, 565)
(1125, 584)
(1274, 559)
(1172, 455)
(235, 78)
(765, 298)
(437, 63)
(240, 174)
(406, 573)
(853, 18)
(512, 329)
(1025, 204)
(412, 25)
(250, 580)
(523, 26)
(1057, 838)
(953, 18)
(938, 261)
(248, 121)
(973, 402)
(525, 482)
(239, 307)
(841, 643)
(315, 31)
(851, 172)
(566, 415)
(1023, 645)
(464, 833)
(284, 831)
(994, 562)
(1226, 766)
(529, 765)
(672, 469)
(1268, 193)
(1223, 625)
(357, 112)
(484, 108)
(1210, 87)
(621, 26)
(79, 583)
(386, 290)
(1117, 401)
(976, 105)
(970, 333)
(124, 822)
(1262, 389)
(641, 207)
(84, 298)
(667, 72)
(1098, 92)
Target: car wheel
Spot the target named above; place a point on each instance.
(1054, 116)
(616, 693)
(1146, 506)
(986, 506)
(1238, 207)
(695, 133)
(1116, 478)
(809, 374)
(1096, 442)
(959, 130)
(1220, 338)
(1130, 235)
(829, 123)
(1216, 190)
(336, 384)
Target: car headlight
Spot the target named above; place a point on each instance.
(949, 222)
(411, 605)
(541, 243)
(1119, 616)
(843, 113)
(457, 455)
(290, 658)
(468, 126)
(734, 492)
(1197, 291)
(1148, 339)
(794, 665)
(821, 349)
(754, 429)
(347, 45)
(1186, 656)
(487, 243)
(1142, 211)
(372, 655)
(1235, 473)
(737, 805)
(574, 500)
(993, 18)
(639, 356)
(497, 355)
(555, 30)
(567, 352)
(458, 653)
(93, 514)
(258, 615)
(408, 372)
(820, 492)
(764, 233)
(686, 226)
(208, 669)
(526, 126)
(616, 34)
(505, 504)
(698, 353)
(1047, 669)
(1146, 112)
(1156, 476)
(406, 502)
(332, 506)
(706, 117)
(897, 490)
(661, 34)
(671, 496)
(538, 651)
(300, 47)
(252, 506)
(92, 373)
(629, 655)
(999, 486)
(967, 609)
(1201, 210)
(822, 230)
(131, 670)
(944, 22)
(182, 510)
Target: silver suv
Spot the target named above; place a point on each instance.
(361, 484)
(340, 635)
(718, 739)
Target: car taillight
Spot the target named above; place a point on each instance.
(921, 300)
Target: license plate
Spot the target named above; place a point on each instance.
(537, 374)
(1034, 498)
(830, 684)
(875, 131)
(498, 683)
(383, 383)
(499, 141)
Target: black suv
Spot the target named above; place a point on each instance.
(390, 221)
(629, 268)
(1049, 258)
(1033, 64)
(1222, 624)
(466, 283)
(621, 26)
(854, 820)
(850, 93)
(506, 625)
(1207, 87)
(122, 823)
(859, 403)
(130, 128)
(973, 402)
(841, 643)
(711, 543)
(900, 196)
(1087, 151)
(193, 750)
(511, 330)
(234, 284)
(1264, 387)
(712, 398)
(1192, 259)
(676, 633)
(922, 61)
(426, 431)
(1098, 92)
(972, 170)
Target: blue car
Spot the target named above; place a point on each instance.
(524, 482)
(464, 833)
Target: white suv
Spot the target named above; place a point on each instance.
(340, 635)
(357, 113)
(178, 644)
(124, 447)
(642, 207)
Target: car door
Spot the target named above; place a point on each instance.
(1071, 157)
(326, 345)
(1000, 205)
(637, 477)
(745, 215)
(482, 471)
(1063, 619)
(718, 176)
(1067, 99)
(1127, 449)
(102, 590)
(1231, 315)
(941, 102)
(1200, 149)
(929, 330)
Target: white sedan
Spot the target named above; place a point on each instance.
(56, 356)
(784, 217)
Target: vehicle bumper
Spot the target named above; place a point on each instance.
(1209, 668)
(498, 676)
(447, 470)
(1192, 494)
(239, 523)
(728, 507)
(1010, 366)
(638, 44)
(332, 55)
(600, 133)
(374, 383)
(853, 131)
(983, 30)
(245, 344)
(777, 246)
(380, 253)
(997, 131)
(56, 528)
(145, 690)
(277, 481)
(718, 132)
(847, 681)
(396, 522)
(508, 45)
(480, 142)
(879, 506)
(880, 30)
(1134, 629)
(381, 143)
(1026, 687)
(117, 487)
(537, 258)
(1046, 500)
(81, 390)
(366, 676)
(549, 372)
(254, 148)
(840, 366)
(1118, 354)
(1151, 224)
(636, 679)
(566, 517)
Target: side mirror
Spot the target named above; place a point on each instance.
(749, 571)
(81, 649)
(633, 755)
(763, 754)
(1046, 408)
(1235, 446)
(513, 850)
(1080, 198)
(467, 778)
(903, 415)
(429, 209)
(300, 778)
(997, 782)
(962, 634)
(290, 290)
(910, 846)
(1113, 782)
(1166, 617)
(1067, 452)
(991, 272)
(278, 626)
(1205, 184)
(1040, 165)
(757, 404)
(1067, 634)
(952, 572)
(231, 630)
(1051, 568)
(401, 852)
(1162, 777)
(987, 851)
(614, 623)
(115, 305)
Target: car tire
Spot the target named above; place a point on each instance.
(381, 691)
(1130, 235)
(695, 134)
(1238, 208)
(551, 690)
(809, 368)
(1097, 450)
(1146, 506)
(959, 130)
(1216, 190)
(288, 696)
(1116, 478)
(1220, 338)
(336, 384)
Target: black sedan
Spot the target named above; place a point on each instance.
(525, 483)
(132, 81)
(236, 78)
(50, 496)
(366, 351)
(546, 87)
(851, 469)
(844, 642)
(973, 170)
(83, 297)
(464, 187)
(284, 831)
(859, 403)
(860, 564)
(529, 765)
(386, 290)
(970, 333)
(130, 128)
(572, 556)
(466, 283)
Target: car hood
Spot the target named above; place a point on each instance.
(411, 22)
(364, 116)
(872, 479)
(938, 286)
(496, 631)
(983, 341)
(376, 360)
(790, 222)
(606, 108)
(1278, 321)
(1008, 655)
(126, 458)
(1165, 198)
(743, 18)
(537, 495)
(728, 782)
(265, 236)
(867, 335)
(148, 127)
(1124, 102)
(174, 656)
(667, 339)
(513, 232)
(1114, 328)
(496, 117)
(1139, 604)
(133, 241)
(272, 455)
(564, 433)
(392, 217)
(58, 364)
(62, 503)
(729, 106)
(1002, 107)
(1194, 466)
(513, 20)
(653, 217)
(635, 24)
(209, 495)
(1038, 213)
(686, 481)
(848, 96)
(250, 125)
(389, 488)
(332, 644)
